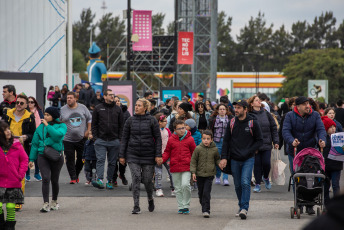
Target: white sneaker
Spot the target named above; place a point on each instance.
(173, 193)
(45, 207)
(243, 214)
(54, 205)
(206, 214)
(159, 193)
(217, 180)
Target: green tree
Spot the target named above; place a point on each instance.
(82, 30)
(157, 22)
(300, 35)
(170, 28)
(79, 64)
(340, 35)
(322, 64)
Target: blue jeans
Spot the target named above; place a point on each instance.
(242, 175)
(109, 149)
(291, 159)
(218, 170)
(333, 176)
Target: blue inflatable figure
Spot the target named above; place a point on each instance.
(96, 68)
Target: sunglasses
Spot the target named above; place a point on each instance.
(31, 102)
(20, 102)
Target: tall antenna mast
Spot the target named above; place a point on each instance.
(103, 7)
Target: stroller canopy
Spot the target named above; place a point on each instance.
(307, 151)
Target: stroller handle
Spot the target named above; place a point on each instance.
(309, 175)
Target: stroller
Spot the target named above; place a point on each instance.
(309, 178)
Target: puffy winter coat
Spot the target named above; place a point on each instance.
(197, 136)
(204, 160)
(179, 151)
(13, 166)
(86, 95)
(308, 130)
(141, 140)
(269, 128)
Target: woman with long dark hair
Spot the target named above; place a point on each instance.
(201, 116)
(49, 133)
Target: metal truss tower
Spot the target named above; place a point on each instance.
(199, 17)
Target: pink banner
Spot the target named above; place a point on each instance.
(142, 26)
(125, 93)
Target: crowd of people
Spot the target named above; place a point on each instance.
(195, 141)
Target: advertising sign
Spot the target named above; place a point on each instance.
(185, 48)
(169, 92)
(337, 147)
(224, 87)
(125, 90)
(318, 90)
(142, 26)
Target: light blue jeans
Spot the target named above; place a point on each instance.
(218, 170)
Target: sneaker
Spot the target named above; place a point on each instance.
(136, 210)
(159, 193)
(115, 184)
(180, 211)
(72, 182)
(206, 214)
(109, 185)
(88, 183)
(267, 184)
(98, 184)
(38, 177)
(173, 193)
(186, 211)
(27, 178)
(18, 207)
(77, 181)
(225, 182)
(237, 214)
(124, 180)
(217, 180)
(310, 210)
(243, 214)
(54, 205)
(45, 207)
(151, 205)
(257, 188)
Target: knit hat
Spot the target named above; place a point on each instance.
(327, 122)
(191, 123)
(53, 111)
(186, 107)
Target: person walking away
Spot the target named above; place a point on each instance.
(78, 120)
(13, 165)
(203, 169)
(90, 159)
(333, 168)
(262, 161)
(179, 149)
(165, 135)
(107, 128)
(10, 98)
(241, 142)
(50, 133)
(302, 128)
(36, 110)
(141, 149)
(218, 123)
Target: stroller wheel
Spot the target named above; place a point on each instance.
(318, 211)
(130, 186)
(298, 213)
(292, 212)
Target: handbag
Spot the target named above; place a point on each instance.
(277, 169)
(49, 152)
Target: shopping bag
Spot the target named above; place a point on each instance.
(277, 169)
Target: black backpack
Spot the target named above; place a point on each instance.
(310, 164)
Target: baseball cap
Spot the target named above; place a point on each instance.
(242, 103)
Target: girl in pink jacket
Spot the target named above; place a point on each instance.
(13, 165)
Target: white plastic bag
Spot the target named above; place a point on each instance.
(277, 169)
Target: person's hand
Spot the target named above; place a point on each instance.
(223, 164)
(296, 142)
(194, 178)
(90, 136)
(44, 122)
(122, 161)
(276, 146)
(86, 133)
(24, 137)
(31, 164)
(322, 143)
(158, 160)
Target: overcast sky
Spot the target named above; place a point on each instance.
(277, 12)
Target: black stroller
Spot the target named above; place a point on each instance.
(309, 181)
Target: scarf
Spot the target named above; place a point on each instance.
(37, 117)
(220, 128)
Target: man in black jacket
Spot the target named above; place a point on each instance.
(87, 94)
(241, 142)
(107, 127)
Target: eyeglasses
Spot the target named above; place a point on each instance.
(180, 129)
(111, 95)
(20, 102)
(31, 102)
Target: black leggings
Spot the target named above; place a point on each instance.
(50, 171)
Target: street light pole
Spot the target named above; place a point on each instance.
(128, 38)
(175, 43)
(255, 67)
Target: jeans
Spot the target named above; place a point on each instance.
(36, 169)
(333, 176)
(182, 188)
(242, 175)
(109, 149)
(204, 189)
(218, 170)
(158, 176)
(291, 160)
(89, 165)
(74, 167)
(262, 163)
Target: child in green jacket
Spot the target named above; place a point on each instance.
(203, 169)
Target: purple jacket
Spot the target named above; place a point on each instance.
(13, 166)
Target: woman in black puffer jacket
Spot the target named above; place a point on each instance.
(141, 148)
(270, 135)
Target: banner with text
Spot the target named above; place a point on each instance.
(337, 147)
(142, 26)
(185, 48)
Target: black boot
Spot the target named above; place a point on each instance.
(10, 225)
(2, 222)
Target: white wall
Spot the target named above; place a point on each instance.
(33, 38)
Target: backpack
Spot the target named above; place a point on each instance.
(310, 164)
(250, 125)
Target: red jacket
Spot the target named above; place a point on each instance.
(180, 152)
(13, 166)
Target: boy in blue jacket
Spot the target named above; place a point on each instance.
(190, 125)
(89, 158)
